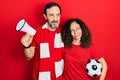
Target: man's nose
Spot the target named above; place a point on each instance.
(55, 18)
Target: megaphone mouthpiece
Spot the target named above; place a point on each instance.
(22, 25)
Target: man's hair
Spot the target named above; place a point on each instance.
(49, 5)
(67, 37)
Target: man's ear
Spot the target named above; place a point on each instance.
(45, 16)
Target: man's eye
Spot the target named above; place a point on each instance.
(58, 14)
(51, 15)
(78, 28)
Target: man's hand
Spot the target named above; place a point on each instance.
(26, 40)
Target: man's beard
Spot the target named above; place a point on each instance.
(53, 24)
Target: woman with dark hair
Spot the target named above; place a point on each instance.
(76, 37)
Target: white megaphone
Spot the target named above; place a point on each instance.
(22, 25)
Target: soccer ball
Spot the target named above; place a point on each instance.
(93, 68)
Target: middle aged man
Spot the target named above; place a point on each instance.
(46, 46)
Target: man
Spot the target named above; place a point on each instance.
(46, 46)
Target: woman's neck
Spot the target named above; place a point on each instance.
(76, 42)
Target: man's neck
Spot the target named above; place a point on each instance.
(49, 28)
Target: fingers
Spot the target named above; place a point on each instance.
(28, 36)
(26, 39)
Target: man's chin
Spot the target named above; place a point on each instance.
(55, 26)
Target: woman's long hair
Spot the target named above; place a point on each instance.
(67, 37)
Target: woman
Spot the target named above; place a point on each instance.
(79, 49)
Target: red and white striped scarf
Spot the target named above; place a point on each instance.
(48, 55)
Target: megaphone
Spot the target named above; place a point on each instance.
(22, 25)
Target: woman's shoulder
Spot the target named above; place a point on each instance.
(92, 46)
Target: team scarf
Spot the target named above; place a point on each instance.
(48, 54)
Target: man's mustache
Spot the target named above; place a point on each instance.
(54, 21)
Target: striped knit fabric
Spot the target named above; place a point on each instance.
(49, 54)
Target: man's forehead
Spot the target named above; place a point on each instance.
(53, 10)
